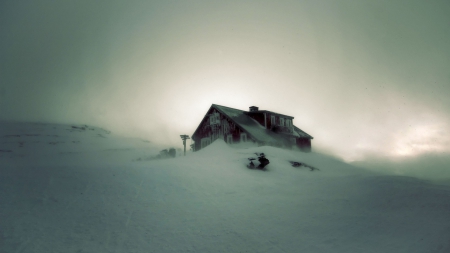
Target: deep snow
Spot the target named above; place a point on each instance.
(90, 192)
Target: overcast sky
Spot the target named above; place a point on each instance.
(362, 77)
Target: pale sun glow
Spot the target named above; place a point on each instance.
(421, 139)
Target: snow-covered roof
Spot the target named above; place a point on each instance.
(301, 133)
(253, 128)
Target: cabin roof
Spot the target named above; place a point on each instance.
(265, 111)
(249, 125)
(302, 133)
(252, 127)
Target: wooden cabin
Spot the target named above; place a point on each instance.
(258, 126)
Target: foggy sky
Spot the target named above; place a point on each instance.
(362, 77)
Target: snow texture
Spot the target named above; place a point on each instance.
(92, 193)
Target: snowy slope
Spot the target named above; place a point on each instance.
(208, 201)
(53, 143)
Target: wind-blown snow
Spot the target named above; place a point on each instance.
(102, 199)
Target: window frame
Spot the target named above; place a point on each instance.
(230, 139)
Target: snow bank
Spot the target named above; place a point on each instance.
(43, 143)
(209, 201)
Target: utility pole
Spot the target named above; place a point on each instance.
(184, 137)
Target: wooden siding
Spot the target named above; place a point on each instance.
(216, 131)
(304, 144)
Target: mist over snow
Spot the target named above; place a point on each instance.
(78, 188)
(430, 166)
(361, 76)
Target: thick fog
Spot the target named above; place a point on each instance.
(362, 77)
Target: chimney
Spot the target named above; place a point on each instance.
(253, 109)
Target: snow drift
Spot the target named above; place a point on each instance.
(101, 198)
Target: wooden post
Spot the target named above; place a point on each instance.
(184, 137)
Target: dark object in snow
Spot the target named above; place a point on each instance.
(296, 164)
(167, 153)
(299, 164)
(163, 153)
(79, 128)
(263, 162)
(172, 152)
(251, 165)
